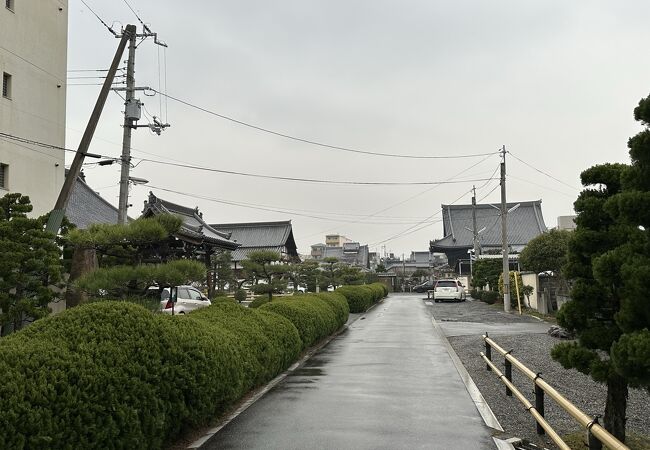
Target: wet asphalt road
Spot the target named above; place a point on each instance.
(386, 383)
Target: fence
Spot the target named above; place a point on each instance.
(597, 434)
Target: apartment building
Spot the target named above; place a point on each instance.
(33, 63)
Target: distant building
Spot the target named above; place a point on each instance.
(336, 240)
(351, 253)
(253, 236)
(33, 62)
(566, 223)
(524, 223)
(419, 260)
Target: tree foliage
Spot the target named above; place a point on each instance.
(609, 263)
(486, 271)
(30, 268)
(132, 281)
(221, 271)
(546, 252)
(265, 266)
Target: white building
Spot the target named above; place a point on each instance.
(33, 62)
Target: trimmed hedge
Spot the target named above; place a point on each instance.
(339, 304)
(114, 375)
(259, 301)
(360, 298)
(313, 317)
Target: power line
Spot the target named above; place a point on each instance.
(262, 208)
(31, 63)
(246, 174)
(146, 28)
(311, 180)
(100, 19)
(542, 172)
(312, 142)
(414, 229)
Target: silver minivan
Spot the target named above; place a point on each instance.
(188, 298)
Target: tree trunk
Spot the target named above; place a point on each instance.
(84, 260)
(616, 406)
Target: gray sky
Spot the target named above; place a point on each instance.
(553, 81)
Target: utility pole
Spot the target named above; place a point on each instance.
(132, 112)
(474, 228)
(56, 216)
(504, 235)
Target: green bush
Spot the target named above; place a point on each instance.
(114, 375)
(259, 301)
(313, 317)
(240, 295)
(339, 305)
(360, 298)
(476, 294)
(223, 299)
(489, 297)
(273, 341)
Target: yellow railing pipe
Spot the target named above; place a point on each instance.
(529, 407)
(583, 419)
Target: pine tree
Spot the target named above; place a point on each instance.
(609, 264)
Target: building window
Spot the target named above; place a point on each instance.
(6, 85)
(9, 4)
(3, 175)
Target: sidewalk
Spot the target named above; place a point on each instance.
(386, 383)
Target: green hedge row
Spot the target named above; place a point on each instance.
(360, 298)
(114, 375)
(314, 317)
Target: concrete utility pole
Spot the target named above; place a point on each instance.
(474, 228)
(132, 111)
(504, 235)
(56, 216)
(131, 115)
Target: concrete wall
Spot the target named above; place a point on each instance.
(531, 279)
(33, 50)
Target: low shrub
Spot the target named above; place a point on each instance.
(339, 305)
(313, 317)
(114, 375)
(476, 294)
(359, 299)
(489, 297)
(259, 301)
(240, 295)
(273, 340)
(223, 299)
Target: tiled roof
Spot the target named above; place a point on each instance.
(86, 207)
(276, 236)
(193, 228)
(524, 223)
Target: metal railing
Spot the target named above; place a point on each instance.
(597, 434)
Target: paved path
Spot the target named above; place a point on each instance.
(386, 383)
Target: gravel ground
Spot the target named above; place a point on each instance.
(534, 351)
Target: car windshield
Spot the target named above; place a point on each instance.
(446, 283)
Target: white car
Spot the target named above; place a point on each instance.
(188, 299)
(449, 290)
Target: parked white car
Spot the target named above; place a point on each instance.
(188, 299)
(449, 290)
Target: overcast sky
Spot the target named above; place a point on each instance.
(553, 81)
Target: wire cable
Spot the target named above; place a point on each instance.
(272, 177)
(100, 19)
(316, 143)
(542, 172)
(144, 27)
(310, 180)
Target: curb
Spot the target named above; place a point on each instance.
(481, 405)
